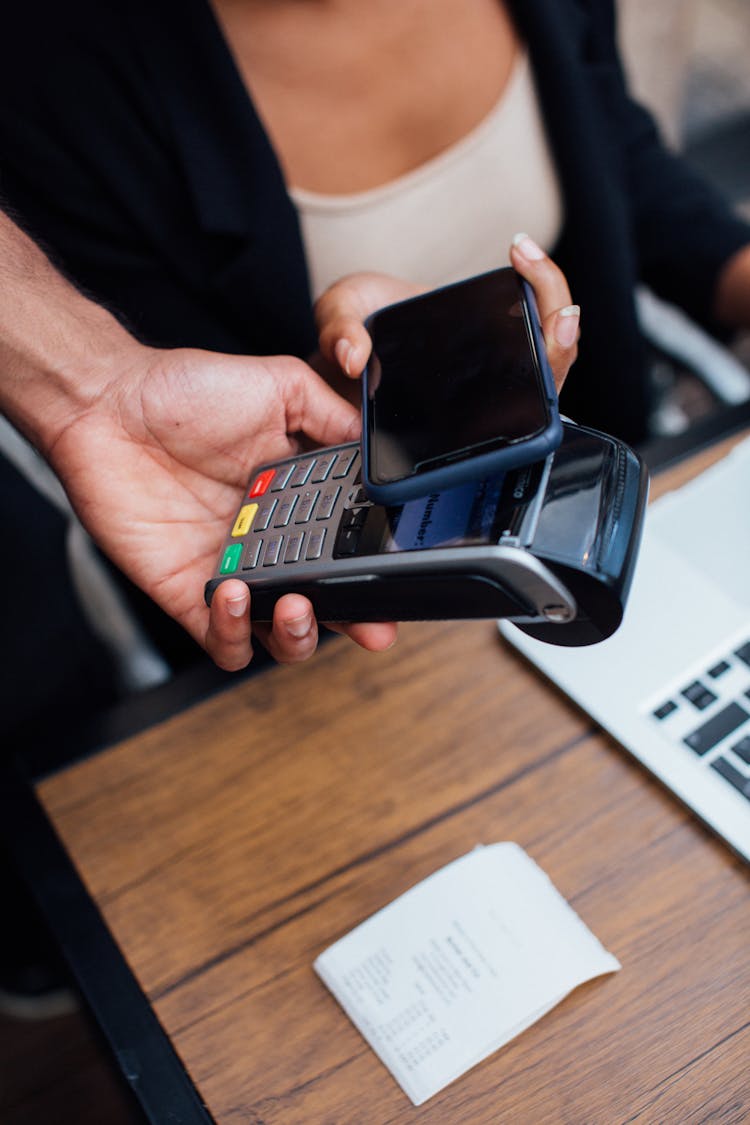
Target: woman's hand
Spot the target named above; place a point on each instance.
(345, 344)
(342, 310)
(559, 317)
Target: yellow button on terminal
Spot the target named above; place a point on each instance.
(244, 520)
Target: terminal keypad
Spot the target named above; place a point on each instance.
(298, 510)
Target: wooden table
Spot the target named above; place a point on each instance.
(227, 846)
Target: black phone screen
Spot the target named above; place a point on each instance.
(452, 372)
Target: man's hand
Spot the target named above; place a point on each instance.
(155, 466)
(155, 448)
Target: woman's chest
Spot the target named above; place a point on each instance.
(354, 95)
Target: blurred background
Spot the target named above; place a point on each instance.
(687, 60)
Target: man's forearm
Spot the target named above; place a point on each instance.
(58, 349)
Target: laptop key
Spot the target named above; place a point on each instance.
(665, 709)
(742, 749)
(706, 736)
(718, 669)
(743, 653)
(699, 695)
(733, 776)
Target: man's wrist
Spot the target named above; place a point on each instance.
(59, 351)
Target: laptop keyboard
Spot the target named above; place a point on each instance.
(709, 713)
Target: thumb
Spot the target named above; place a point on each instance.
(314, 409)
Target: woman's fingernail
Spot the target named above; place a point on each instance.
(566, 325)
(527, 248)
(238, 606)
(343, 352)
(299, 627)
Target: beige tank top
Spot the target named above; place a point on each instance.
(453, 216)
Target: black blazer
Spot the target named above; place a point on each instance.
(129, 147)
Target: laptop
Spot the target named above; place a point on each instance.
(672, 685)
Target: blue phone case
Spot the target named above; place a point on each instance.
(473, 467)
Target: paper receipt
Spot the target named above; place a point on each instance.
(459, 965)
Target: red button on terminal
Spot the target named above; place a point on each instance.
(261, 482)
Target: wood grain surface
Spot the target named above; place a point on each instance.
(230, 845)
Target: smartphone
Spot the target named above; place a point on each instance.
(550, 546)
(458, 387)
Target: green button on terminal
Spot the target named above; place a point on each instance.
(231, 559)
